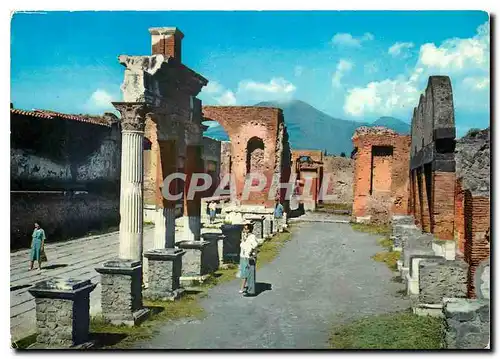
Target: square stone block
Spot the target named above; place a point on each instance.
(62, 312)
(164, 271)
(121, 292)
(201, 258)
(218, 238)
(232, 241)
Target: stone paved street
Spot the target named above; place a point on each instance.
(324, 275)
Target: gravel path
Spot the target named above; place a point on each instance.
(322, 277)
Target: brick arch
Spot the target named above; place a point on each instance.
(255, 155)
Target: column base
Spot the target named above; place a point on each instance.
(201, 258)
(165, 268)
(121, 292)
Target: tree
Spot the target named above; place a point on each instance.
(342, 154)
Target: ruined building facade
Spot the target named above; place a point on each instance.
(380, 174)
(258, 144)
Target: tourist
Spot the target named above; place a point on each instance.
(37, 246)
(278, 215)
(212, 210)
(248, 248)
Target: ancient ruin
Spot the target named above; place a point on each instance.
(307, 165)
(380, 174)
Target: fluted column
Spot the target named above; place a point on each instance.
(131, 187)
(165, 228)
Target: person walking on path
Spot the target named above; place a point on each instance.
(278, 215)
(212, 210)
(248, 248)
(37, 246)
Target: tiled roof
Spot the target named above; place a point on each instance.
(96, 120)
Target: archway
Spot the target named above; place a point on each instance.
(255, 155)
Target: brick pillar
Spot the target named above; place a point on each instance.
(416, 199)
(477, 224)
(192, 207)
(362, 175)
(425, 222)
(459, 227)
(443, 204)
(165, 221)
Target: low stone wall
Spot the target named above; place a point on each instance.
(440, 279)
(467, 323)
(62, 214)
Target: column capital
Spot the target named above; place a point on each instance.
(133, 115)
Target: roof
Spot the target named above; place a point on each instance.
(95, 120)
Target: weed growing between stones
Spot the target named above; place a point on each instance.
(385, 242)
(389, 258)
(372, 228)
(401, 330)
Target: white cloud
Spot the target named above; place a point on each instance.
(371, 67)
(477, 83)
(227, 98)
(213, 87)
(466, 61)
(346, 39)
(400, 49)
(249, 91)
(381, 97)
(459, 54)
(277, 85)
(99, 101)
(343, 67)
(298, 70)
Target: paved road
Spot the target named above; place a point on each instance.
(324, 275)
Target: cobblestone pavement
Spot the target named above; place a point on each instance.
(323, 276)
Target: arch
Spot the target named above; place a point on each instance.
(255, 155)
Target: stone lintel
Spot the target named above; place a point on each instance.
(165, 254)
(120, 266)
(444, 132)
(193, 244)
(61, 288)
(444, 166)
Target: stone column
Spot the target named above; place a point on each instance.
(62, 313)
(164, 228)
(131, 200)
(192, 207)
(121, 278)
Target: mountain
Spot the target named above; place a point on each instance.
(309, 128)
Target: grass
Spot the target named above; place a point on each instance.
(271, 248)
(120, 337)
(385, 242)
(401, 330)
(389, 258)
(330, 207)
(372, 228)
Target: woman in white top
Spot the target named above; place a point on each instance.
(247, 252)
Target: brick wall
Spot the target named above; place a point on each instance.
(459, 221)
(242, 124)
(366, 175)
(477, 225)
(340, 185)
(443, 204)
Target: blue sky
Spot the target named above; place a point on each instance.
(351, 65)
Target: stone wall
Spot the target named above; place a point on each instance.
(440, 279)
(341, 172)
(467, 323)
(432, 163)
(243, 125)
(65, 173)
(380, 174)
(63, 215)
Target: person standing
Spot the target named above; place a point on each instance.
(212, 211)
(37, 246)
(278, 215)
(248, 248)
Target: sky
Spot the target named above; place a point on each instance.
(351, 65)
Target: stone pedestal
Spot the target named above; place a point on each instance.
(62, 313)
(200, 259)
(274, 226)
(232, 240)
(121, 292)
(164, 272)
(218, 238)
(258, 227)
(267, 228)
